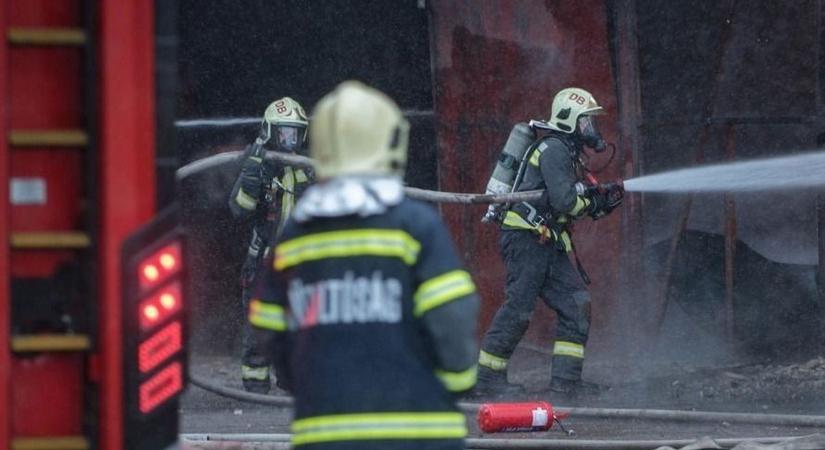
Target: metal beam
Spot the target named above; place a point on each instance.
(5, 262)
(126, 113)
(46, 36)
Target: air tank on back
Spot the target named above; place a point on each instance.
(504, 174)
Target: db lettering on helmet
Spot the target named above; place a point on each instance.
(281, 107)
(577, 98)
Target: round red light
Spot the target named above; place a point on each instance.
(167, 260)
(167, 300)
(151, 312)
(151, 272)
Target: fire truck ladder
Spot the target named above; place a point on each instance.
(49, 135)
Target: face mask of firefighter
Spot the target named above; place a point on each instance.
(282, 137)
(589, 133)
(289, 138)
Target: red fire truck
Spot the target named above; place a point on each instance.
(92, 331)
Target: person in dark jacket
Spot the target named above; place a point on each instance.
(370, 316)
(265, 193)
(535, 241)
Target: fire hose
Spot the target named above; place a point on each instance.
(209, 162)
(278, 441)
(792, 420)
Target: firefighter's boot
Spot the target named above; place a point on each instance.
(493, 384)
(576, 388)
(256, 379)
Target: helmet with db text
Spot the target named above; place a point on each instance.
(573, 112)
(284, 125)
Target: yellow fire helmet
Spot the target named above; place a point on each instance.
(284, 119)
(358, 130)
(568, 105)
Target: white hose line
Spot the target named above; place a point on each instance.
(212, 161)
(497, 443)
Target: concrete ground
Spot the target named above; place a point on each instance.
(788, 388)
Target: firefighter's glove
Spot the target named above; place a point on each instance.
(615, 194)
(255, 174)
(598, 205)
(604, 199)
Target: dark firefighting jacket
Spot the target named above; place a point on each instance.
(265, 192)
(555, 168)
(372, 323)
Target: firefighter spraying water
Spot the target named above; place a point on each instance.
(536, 239)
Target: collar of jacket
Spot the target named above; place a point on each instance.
(344, 196)
(571, 141)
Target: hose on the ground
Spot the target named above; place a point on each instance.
(238, 394)
(215, 441)
(793, 420)
(272, 400)
(209, 162)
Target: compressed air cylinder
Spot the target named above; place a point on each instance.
(528, 416)
(504, 173)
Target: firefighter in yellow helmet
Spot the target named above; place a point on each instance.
(535, 241)
(265, 192)
(371, 316)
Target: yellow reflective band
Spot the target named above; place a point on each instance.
(458, 381)
(349, 243)
(256, 158)
(267, 315)
(255, 373)
(288, 198)
(301, 176)
(534, 158)
(441, 289)
(373, 426)
(513, 220)
(245, 200)
(565, 239)
(491, 361)
(516, 221)
(565, 348)
(581, 203)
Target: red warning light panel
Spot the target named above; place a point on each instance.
(159, 306)
(163, 344)
(154, 352)
(160, 387)
(159, 266)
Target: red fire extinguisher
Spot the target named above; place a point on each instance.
(528, 416)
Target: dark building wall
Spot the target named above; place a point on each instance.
(732, 77)
(236, 56)
(753, 66)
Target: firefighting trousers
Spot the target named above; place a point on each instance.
(255, 359)
(537, 270)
